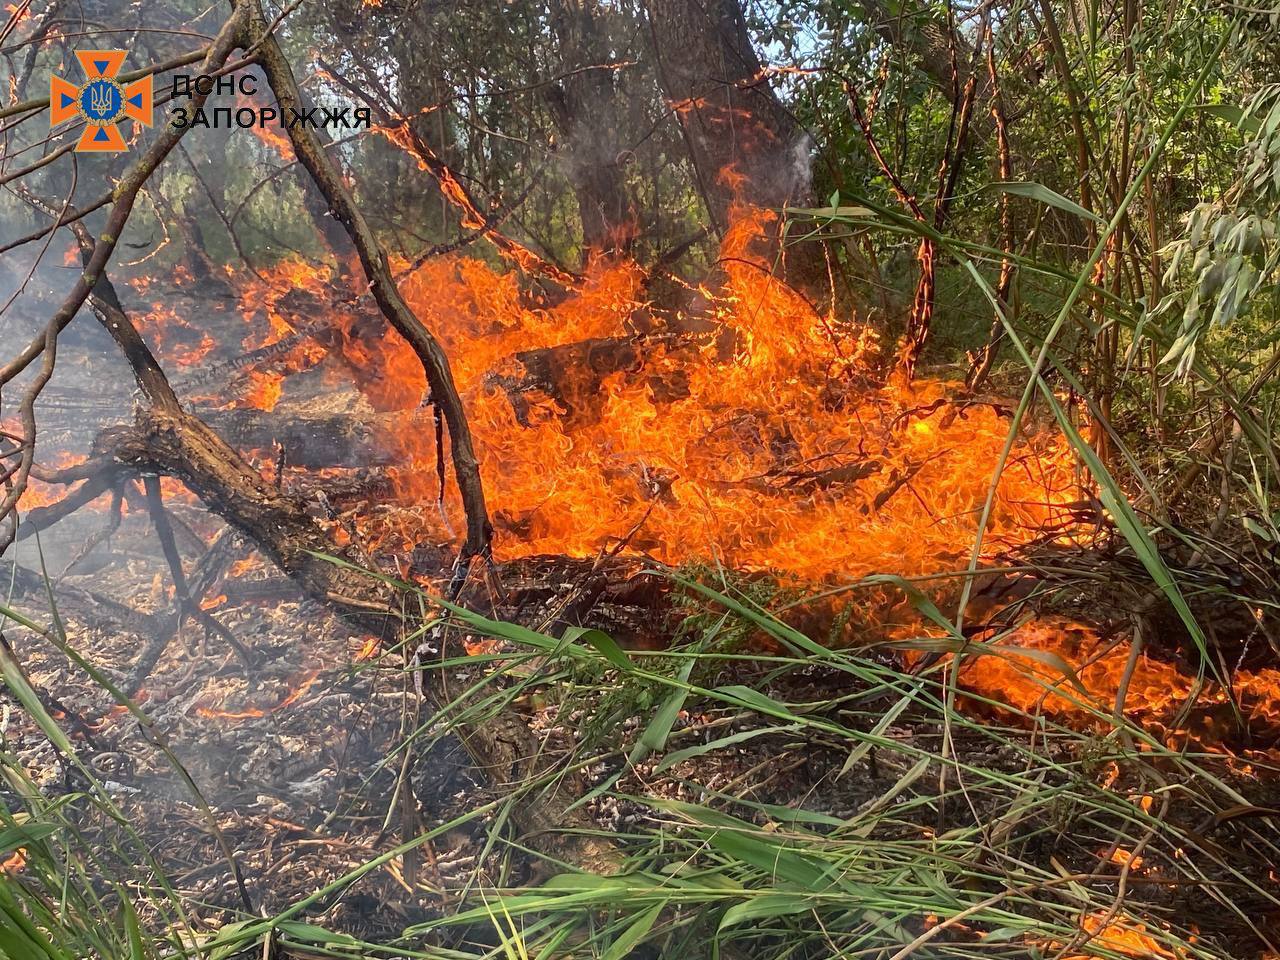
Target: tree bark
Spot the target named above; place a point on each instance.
(744, 144)
(586, 110)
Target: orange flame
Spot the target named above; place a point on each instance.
(297, 691)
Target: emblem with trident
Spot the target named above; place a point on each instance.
(100, 102)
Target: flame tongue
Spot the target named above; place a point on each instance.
(297, 689)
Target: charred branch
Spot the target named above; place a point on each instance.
(125, 194)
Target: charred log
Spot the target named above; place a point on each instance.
(571, 376)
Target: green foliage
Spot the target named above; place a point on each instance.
(1229, 254)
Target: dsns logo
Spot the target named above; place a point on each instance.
(100, 100)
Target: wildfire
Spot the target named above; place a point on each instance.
(1126, 938)
(40, 494)
(266, 133)
(765, 443)
(263, 391)
(1156, 691)
(743, 428)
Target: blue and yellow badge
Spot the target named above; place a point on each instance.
(100, 100)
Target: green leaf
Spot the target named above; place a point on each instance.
(15, 946)
(133, 931)
(634, 934)
(26, 695)
(1233, 114)
(754, 700)
(772, 857)
(1041, 193)
(917, 599)
(308, 933)
(233, 939)
(659, 729)
(1257, 529)
(601, 641)
(765, 908)
(583, 881)
(11, 838)
(834, 212)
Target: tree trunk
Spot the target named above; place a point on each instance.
(586, 110)
(744, 144)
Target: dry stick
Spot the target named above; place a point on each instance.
(15, 477)
(68, 217)
(921, 320)
(1218, 435)
(222, 217)
(170, 440)
(924, 252)
(108, 308)
(187, 605)
(91, 489)
(382, 284)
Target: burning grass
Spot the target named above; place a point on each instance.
(738, 427)
(760, 789)
(749, 429)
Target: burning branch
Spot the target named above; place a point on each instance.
(382, 284)
(400, 131)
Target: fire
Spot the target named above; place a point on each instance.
(755, 434)
(263, 391)
(740, 427)
(265, 133)
(1155, 695)
(297, 691)
(40, 494)
(1128, 938)
(1122, 857)
(245, 565)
